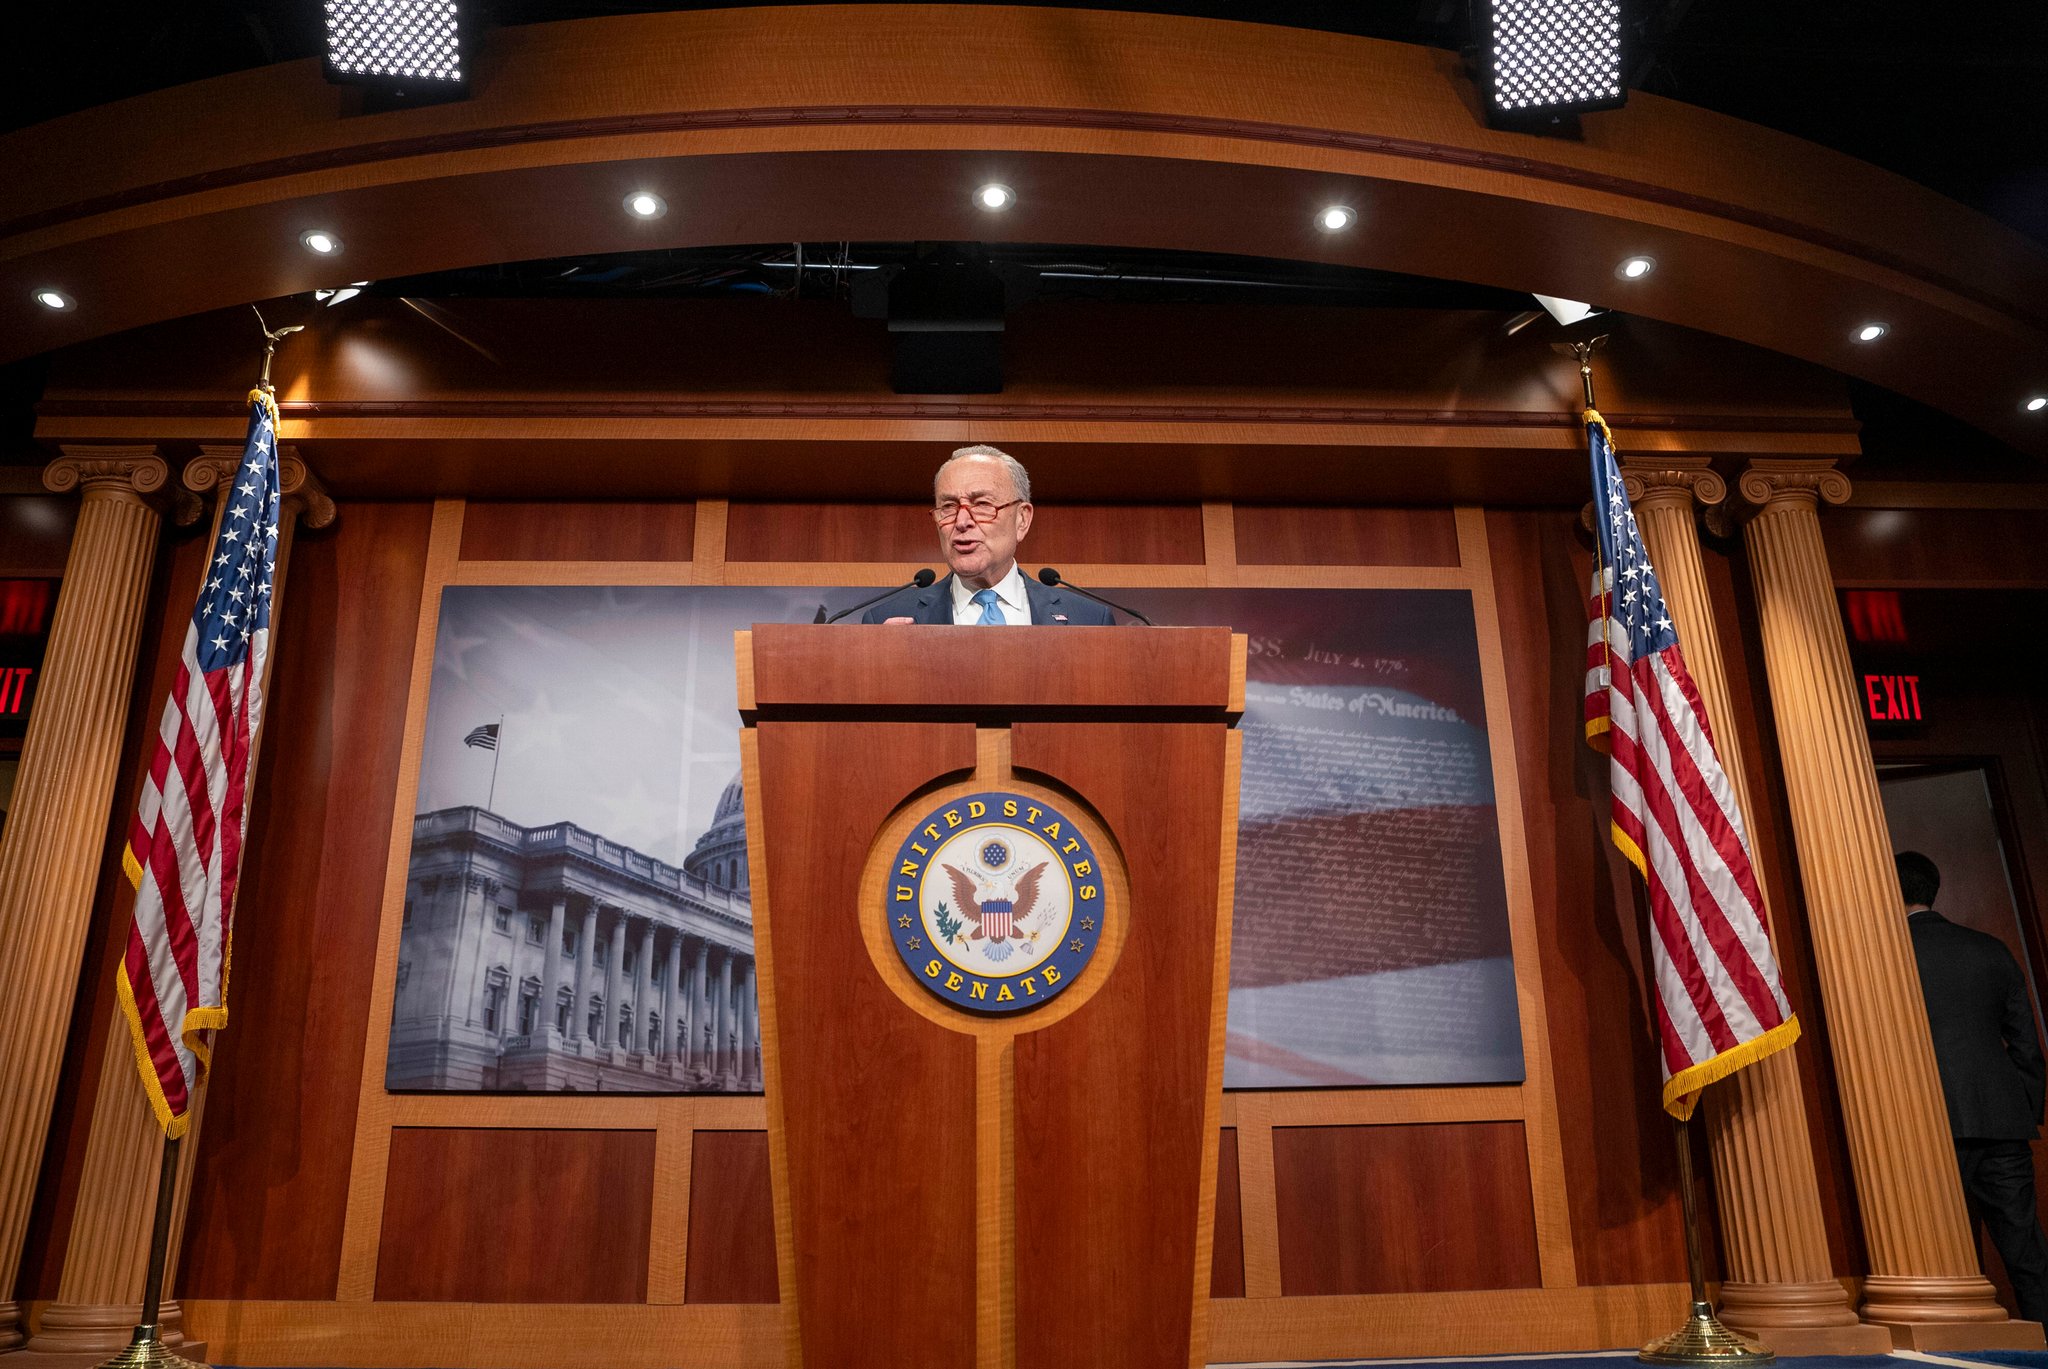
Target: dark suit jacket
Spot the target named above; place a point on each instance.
(934, 605)
(1983, 1021)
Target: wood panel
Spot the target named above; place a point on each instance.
(175, 577)
(1960, 547)
(503, 1215)
(1620, 1169)
(1186, 668)
(270, 1191)
(841, 1040)
(1226, 1263)
(1130, 534)
(1293, 535)
(1110, 1101)
(565, 531)
(1404, 1209)
(35, 533)
(732, 1219)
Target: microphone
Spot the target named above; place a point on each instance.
(918, 581)
(1049, 576)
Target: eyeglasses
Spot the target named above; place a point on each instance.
(980, 510)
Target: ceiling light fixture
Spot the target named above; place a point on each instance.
(321, 241)
(645, 204)
(1336, 218)
(1635, 268)
(55, 300)
(995, 197)
(1871, 332)
(2037, 403)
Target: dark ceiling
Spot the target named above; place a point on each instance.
(1953, 96)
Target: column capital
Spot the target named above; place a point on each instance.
(302, 490)
(1660, 478)
(1793, 482)
(132, 471)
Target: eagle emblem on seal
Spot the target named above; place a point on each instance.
(997, 907)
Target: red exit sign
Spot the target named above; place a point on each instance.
(17, 683)
(1892, 698)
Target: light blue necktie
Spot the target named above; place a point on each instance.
(990, 614)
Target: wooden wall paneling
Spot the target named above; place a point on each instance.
(1101, 1088)
(1404, 1209)
(271, 1189)
(1539, 1094)
(1960, 548)
(714, 517)
(1728, 588)
(668, 1243)
(369, 1167)
(731, 1220)
(35, 531)
(1124, 534)
(1277, 535)
(1219, 542)
(1619, 1167)
(1351, 577)
(1396, 1106)
(549, 1215)
(1257, 1209)
(562, 530)
(881, 574)
(1129, 534)
(574, 573)
(1226, 1261)
(175, 576)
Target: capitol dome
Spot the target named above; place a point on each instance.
(720, 856)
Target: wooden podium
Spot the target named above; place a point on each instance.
(977, 1187)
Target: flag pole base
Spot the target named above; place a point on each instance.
(1704, 1340)
(148, 1351)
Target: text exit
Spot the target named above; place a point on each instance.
(1892, 698)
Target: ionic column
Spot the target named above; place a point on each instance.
(671, 967)
(63, 793)
(99, 1292)
(1924, 1281)
(700, 1007)
(648, 991)
(551, 967)
(750, 1028)
(586, 950)
(614, 981)
(722, 1045)
(1779, 1280)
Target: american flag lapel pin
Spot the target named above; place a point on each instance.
(1059, 617)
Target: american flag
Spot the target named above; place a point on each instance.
(1719, 1001)
(185, 846)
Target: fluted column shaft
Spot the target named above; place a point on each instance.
(614, 981)
(586, 951)
(648, 990)
(1922, 1259)
(750, 1029)
(551, 967)
(700, 1006)
(1779, 1280)
(670, 967)
(64, 789)
(722, 1051)
(99, 1292)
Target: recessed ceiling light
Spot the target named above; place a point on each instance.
(2037, 403)
(1871, 332)
(321, 241)
(1336, 218)
(645, 204)
(55, 299)
(994, 196)
(1635, 268)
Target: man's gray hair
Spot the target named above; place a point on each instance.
(1020, 479)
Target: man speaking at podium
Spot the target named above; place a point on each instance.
(981, 500)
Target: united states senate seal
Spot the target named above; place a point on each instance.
(995, 902)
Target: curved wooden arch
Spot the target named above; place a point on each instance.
(876, 122)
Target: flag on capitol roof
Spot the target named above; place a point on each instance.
(1719, 1001)
(185, 846)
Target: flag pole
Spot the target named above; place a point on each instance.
(147, 1350)
(496, 751)
(1704, 1339)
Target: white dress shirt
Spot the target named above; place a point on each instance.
(1010, 601)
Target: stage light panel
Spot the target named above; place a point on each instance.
(396, 43)
(1542, 57)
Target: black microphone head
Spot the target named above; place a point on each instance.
(1048, 576)
(923, 578)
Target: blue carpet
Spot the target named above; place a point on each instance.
(2021, 1359)
(2025, 1359)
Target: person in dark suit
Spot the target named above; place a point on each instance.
(1992, 1075)
(981, 500)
